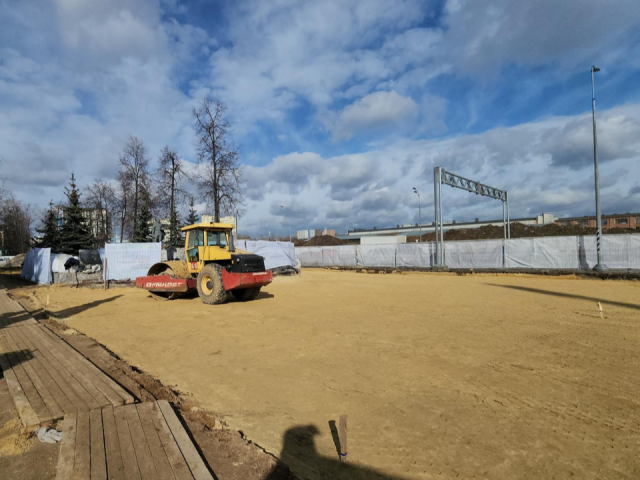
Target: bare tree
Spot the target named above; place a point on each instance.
(134, 173)
(101, 203)
(15, 221)
(123, 204)
(170, 175)
(219, 179)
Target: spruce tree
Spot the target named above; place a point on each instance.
(74, 233)
(142, 227)
(50, 230)
(192, 218)
(175, 237)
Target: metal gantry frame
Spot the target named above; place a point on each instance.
(441, 176)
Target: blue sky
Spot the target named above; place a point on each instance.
(339, 107)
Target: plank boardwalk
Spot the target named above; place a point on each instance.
(105, 435)
(46, 377)
(140, 441)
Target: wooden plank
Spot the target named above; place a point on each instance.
(143, 454)
(177, 461)
(160, 460)
(198, 469)
(43, 413)
(104, 383)
(70, 362)
(67, 453)
(82, 460)
(109, 383)
(115, 469)
(29, 362)
(129, 462)
(62, 392)
(98, 457)
(13, 313)
(88, 402)
(25, 410)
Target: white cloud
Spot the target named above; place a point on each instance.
(530, 160)
(374, 112)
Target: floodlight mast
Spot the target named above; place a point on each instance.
(440, 176)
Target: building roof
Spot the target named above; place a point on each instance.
(208, 226)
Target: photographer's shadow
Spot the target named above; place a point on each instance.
(300, 454)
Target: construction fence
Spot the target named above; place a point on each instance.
(544, 253)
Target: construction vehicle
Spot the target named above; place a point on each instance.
(213, 267)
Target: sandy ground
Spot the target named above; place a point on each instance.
(482, 376)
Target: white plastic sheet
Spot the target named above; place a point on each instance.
(542, 252)
(127, 261)
(339, 256)
(474, 254)
(415, 255)
(58, 260)
(618, 251)
(37, 266)
(310, 256)
(276, 254)
(376, 255)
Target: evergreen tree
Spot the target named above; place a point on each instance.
(142, 227)
(175, 237)
(50, 230)
(75, 233)
(192, 218)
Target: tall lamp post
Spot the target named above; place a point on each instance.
(419, 212)
(600, 266)
(282, 206)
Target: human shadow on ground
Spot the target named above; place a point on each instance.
(16, 357)
(300, 454)
(568, 295)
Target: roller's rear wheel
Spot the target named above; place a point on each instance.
(246, 294)
(210, 287)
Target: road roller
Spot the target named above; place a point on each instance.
(213, 267)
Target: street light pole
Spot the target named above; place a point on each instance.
(282, 206)
(419, 212)
(600, 266)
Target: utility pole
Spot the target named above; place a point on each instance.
(419, 212)
(600, 266)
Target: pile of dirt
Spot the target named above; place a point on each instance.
(15, 262)
(519, 230)
(323, 240)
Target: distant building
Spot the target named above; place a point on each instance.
(415, 229)
(616, 220)
(307, 234)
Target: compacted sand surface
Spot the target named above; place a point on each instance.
(479, 376)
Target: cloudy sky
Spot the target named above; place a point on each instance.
(339, 107)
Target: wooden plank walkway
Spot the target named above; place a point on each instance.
(12, 314)
(145, 441)
(46, 377)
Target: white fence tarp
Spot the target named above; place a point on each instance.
(310, 256)
(339, 256)
(566, 253)
(618, 251)
(376, 255)
(542, 252)
(276, 254)
(415, 255)
(127, 261)
(37, 266)
(474, 254)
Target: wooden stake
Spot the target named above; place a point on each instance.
(342, 434)
(104, 273)
(601, 311)
(47, 299)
